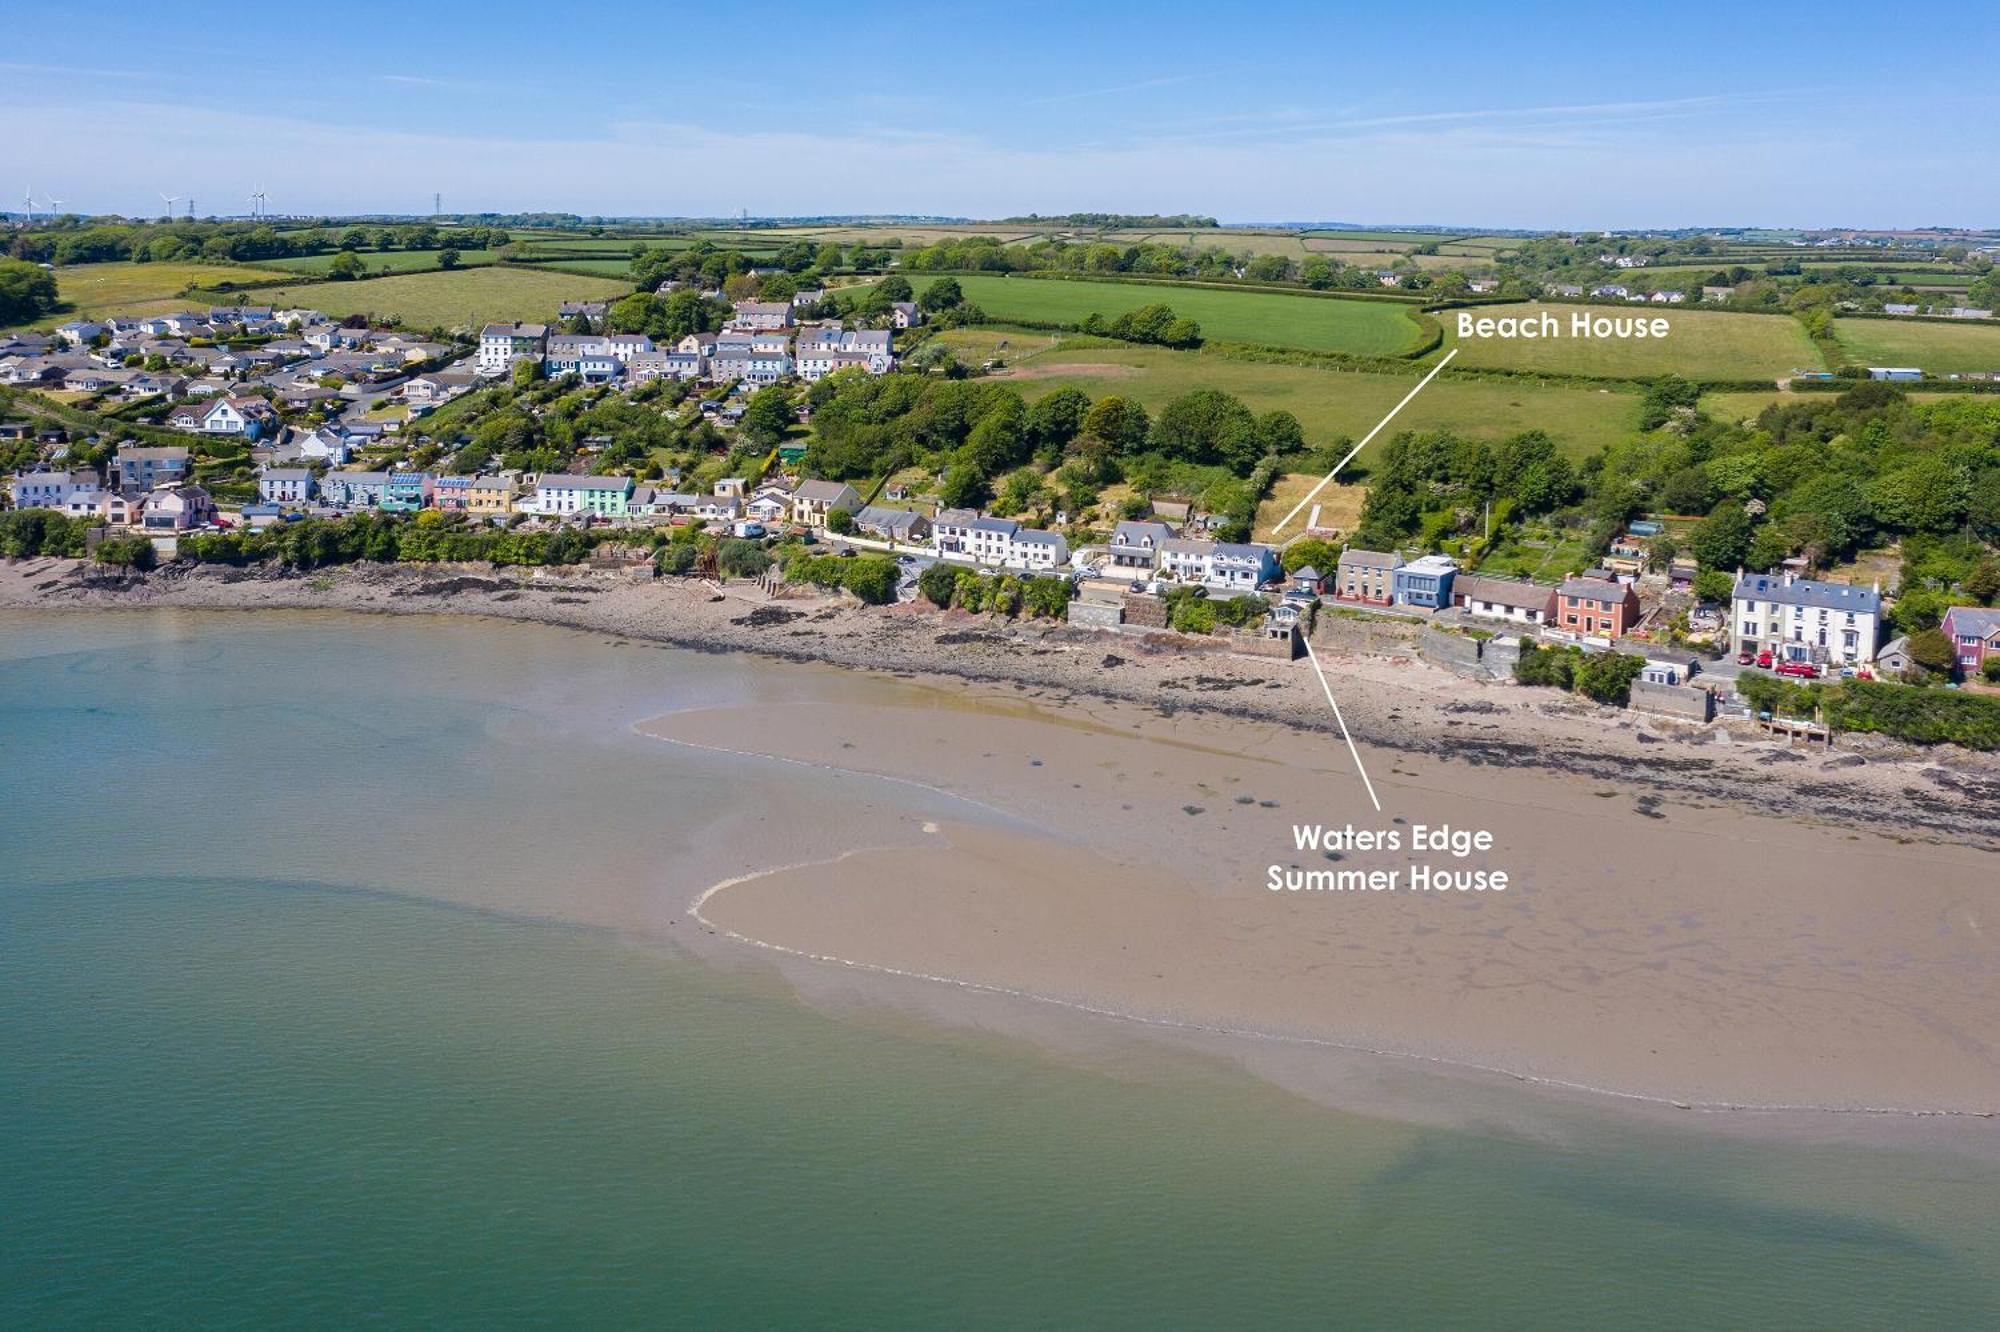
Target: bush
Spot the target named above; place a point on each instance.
(1991, 670)
(938, 583)
(739, 558)
(1605, 677)
(870, 577)
(1922, 716)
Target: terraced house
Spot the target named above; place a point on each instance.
(599, 496)
(1800, 619)
(500, 345)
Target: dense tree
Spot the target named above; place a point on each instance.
(27, 291)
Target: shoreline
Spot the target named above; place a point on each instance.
(1753, 948)
(1392, 702)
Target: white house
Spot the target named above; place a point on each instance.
(286, 485)
(998, 543)
(55, 490)
(1225, 565)
(1799, 619)
(500, 345)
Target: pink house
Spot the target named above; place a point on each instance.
(1975, 636)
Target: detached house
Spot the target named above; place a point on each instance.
(176, 508)
(138, 469)
(1225, 565)
(814, 500)
(1599, 606)
(1135, 543)
(754, 315)
(1975, 637)
(1366, 576)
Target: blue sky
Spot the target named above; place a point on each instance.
(1462, 114)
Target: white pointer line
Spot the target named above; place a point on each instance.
(1313, 657)
(1364, 441)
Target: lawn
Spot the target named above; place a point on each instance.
(1366, 328)
(378, 261)
(1701, 344)
(96, 290)
(1330, 404)
(1941, 349)
(464, 299)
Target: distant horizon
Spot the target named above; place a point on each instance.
(1540, 117)
(723, 221)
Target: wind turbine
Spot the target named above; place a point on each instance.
(55, 206)
(28, 197)
(169, 199)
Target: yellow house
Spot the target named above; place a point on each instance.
(490, 494)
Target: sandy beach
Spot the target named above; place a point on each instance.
(1690, 919)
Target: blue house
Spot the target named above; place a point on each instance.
(1425, 583)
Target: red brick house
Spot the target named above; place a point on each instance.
(1596, 606)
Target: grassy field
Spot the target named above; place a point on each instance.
(379, 261)
(1339, 507)
(1942, 349)
(1330, 404)
(464, 299)
(1701, 345)
(96, 290)
(1368, 328)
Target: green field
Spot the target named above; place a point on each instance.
(93, 291)
(1330, 404)
(1941, 349)
(464, 299)
(1366, 328)
(379, 261)
(1701, 345)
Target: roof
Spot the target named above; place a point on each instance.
(571, 481)
(1500, 591)
(515, 330)
(1369, 559)
(1307, 571)
(1430, 564)
(1975, 620)
(1597, 589)
(1808, 592)
(143, 453)
(1134, 531)
(287, 473)
(823, 490)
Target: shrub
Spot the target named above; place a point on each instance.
(938, 583)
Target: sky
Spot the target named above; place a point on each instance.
(1522, 115)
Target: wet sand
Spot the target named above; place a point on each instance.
(1692, 920)
(1681, 951)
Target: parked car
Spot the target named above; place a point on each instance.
(1745, 658)
(1764, 659)
(1804, 670)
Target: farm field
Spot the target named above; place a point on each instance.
(1941, 349)
(1366, 328)
(465, 299)
(95, 290)
(1330, 404)
(1701, 345)
(378, 261)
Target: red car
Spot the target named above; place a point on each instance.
(1764, 659)
(1745, 658)
(1805, 670)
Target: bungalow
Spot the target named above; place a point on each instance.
(1667, 297)
(896, 525)
(717, 508)
(1610, 289)
(1975, 637)
(814, 500)
(138, 469)
(1598, 606)
(1224, 565)
(1483, 286)
(567, 493)
(1135, 543)
(224, 416)
(1513, 600)
(439, 386)
(287, 485)
(1366, 576)
(1425, 583)
(1968, 312)
(768, 508)
(1714, 293)
(1899, 308)
(582, 309)
(324, 445)
(176, 508)
(1894, 659)
(1305, 585)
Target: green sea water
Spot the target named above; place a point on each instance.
(312, 1012)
